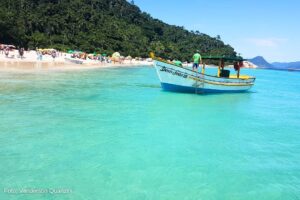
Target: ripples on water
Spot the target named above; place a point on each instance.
(114, 134)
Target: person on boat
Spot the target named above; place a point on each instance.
(197, 60)
(177, 62)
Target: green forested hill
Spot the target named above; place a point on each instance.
(101, 26)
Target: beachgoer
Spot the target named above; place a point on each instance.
(177, 62)
(122, 58)
(39, 55)
(197, 60)
(99, 58)
(1, 48)
(6, 51)
(21, 52)
(53, 54)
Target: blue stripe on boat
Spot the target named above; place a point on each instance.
(184, 89)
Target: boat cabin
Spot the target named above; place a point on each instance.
(237, 63)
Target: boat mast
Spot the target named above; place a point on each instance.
(203, 68)
(219, 68)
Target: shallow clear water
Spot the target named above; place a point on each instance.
(114, 134)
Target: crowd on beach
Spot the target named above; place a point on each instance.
(6, 49)
(13, 53)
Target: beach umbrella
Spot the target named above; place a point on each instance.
(11, 46)
(116, 55)
(70, 51)
(104, 54)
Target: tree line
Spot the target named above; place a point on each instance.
(102, 26)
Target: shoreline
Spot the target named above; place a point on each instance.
(31, 63)
(29, 66)
(64, 62)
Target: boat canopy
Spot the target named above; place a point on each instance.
(224, 58)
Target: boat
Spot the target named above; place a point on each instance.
(177, 78)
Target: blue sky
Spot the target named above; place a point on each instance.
(270, 28)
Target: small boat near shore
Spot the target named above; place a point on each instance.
(181, 79)
(74, 61)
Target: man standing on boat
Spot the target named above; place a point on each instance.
(197, 60)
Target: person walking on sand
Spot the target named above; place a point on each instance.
(21, 52)
(197, 60)
(53, 54)
(39, 55)
(6, 51)
(1, 48)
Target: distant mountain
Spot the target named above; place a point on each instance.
(286, 65)
(261, 62)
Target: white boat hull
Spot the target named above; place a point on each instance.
(179, 79)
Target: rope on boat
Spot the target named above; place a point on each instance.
(201, 84)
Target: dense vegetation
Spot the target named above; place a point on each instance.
(101, 26)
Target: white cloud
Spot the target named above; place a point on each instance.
(267, 42)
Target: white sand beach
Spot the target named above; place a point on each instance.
(63, 61)
(30, 61)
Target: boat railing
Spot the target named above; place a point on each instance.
(253, 78)
(198, 75)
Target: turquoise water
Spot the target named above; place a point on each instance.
(113, 134)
